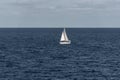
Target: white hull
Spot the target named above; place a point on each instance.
(65, 42)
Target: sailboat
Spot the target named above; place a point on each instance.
(64, 39)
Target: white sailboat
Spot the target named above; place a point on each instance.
(64, 39)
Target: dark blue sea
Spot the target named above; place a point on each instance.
(35, 54)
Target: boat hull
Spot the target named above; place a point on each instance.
(65, 42)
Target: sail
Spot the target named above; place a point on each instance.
(64, 36)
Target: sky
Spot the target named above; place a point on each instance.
(60, 13)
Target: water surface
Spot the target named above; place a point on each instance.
(35, 54)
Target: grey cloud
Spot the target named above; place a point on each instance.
(59, 5)
(58, 12)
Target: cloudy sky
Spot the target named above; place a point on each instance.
(60, 13)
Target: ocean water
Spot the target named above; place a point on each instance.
(35, 54)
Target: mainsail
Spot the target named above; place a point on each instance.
(64, 36)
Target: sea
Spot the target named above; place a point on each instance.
(35, 54)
